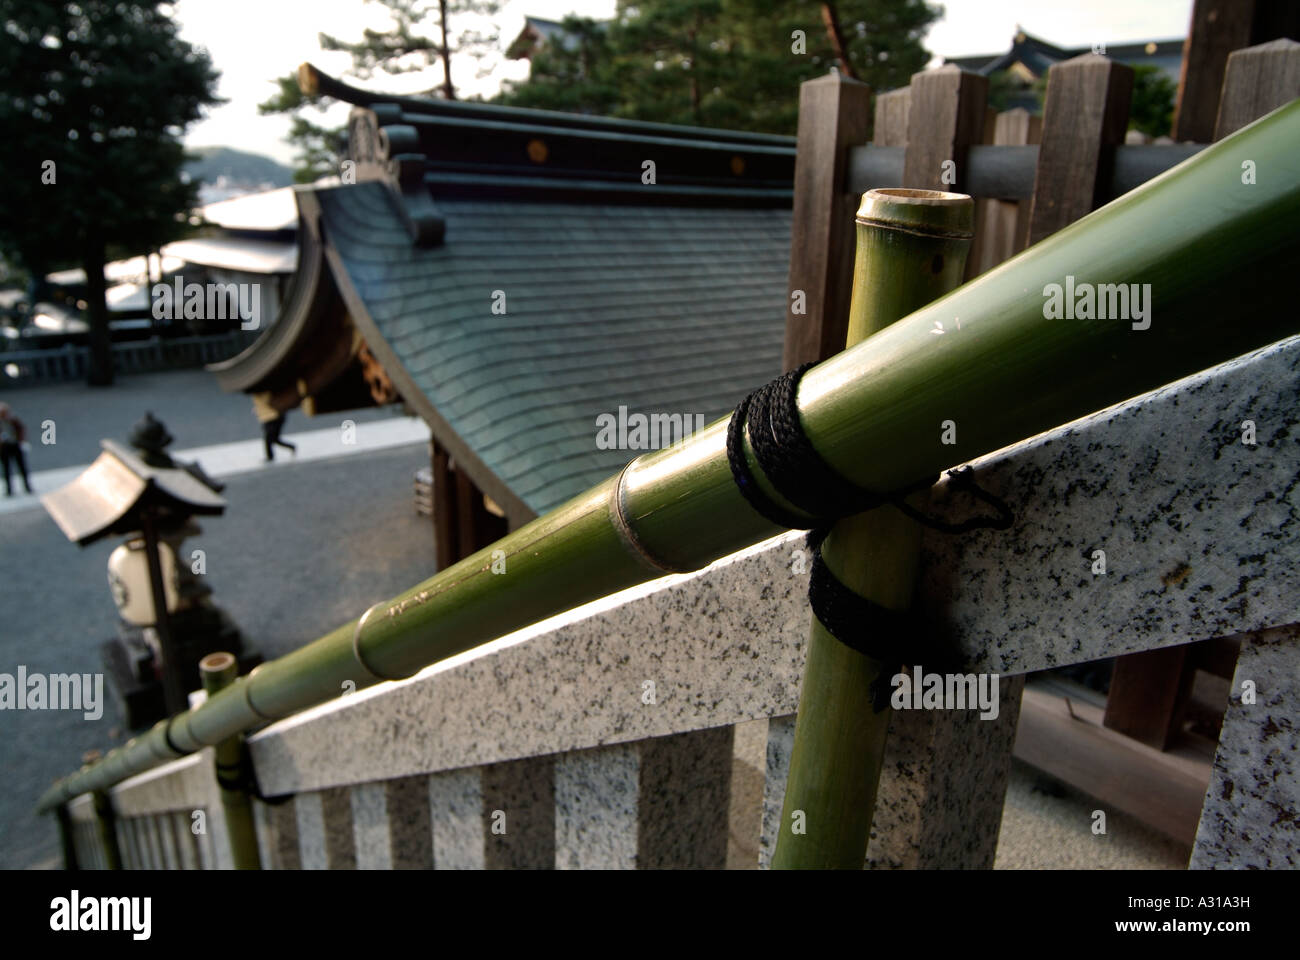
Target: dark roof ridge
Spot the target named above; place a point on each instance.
(315, 82)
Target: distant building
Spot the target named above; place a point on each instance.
(1029, 59)
(519, 278)
(536, 34)
(249, 239)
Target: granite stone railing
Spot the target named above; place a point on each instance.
(653, 728)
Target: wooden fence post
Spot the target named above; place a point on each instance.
(1008, 220)
(1149, 691)
(1257, 81)
(945, 116)
(833, 116)
(892, 109)
(1084, 119)
(983, 207)
(1218, 28)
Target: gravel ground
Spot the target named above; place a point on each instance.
(301, 549)
(1047, 825)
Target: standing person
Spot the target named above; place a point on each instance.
(272, 423)
(12, 438)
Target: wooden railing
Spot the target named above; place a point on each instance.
(33, 367)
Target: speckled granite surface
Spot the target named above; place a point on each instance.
(370, 827)
(410, 828)
(780, 742)
(340, 842)
(684, 801)
(1201, 532)
(939, 803)
(519, 815)
(596, 808)
(310, 820)
(456, 813)
(277, 834)
(1251, 818)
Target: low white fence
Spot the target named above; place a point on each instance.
(70, 362)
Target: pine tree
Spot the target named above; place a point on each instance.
(402, 49)
(320, 148)
(725, 63)
(96, 93)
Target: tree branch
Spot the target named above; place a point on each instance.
(836, 35)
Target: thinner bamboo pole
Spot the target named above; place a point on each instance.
(911, 250)
(105, 823)
(1216, 270)
(67, 839)
(218, 671)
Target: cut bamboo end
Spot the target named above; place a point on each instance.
(218, 670)
(932, 212)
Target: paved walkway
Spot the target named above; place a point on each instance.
(247, 456)
(305, 544)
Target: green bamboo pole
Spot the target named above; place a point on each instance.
(66, 841)
(106, 823)
(911, 250)
(218, 671)
(1218, 256)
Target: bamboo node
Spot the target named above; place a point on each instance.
(618, 518)
(356, 644)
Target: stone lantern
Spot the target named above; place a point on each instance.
(167, 621)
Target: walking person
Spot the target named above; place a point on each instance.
(272, 423)
(12, 438)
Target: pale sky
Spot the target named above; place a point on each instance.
(254, 41)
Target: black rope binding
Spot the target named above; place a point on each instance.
(241, 777)
(795, 469)
(860, 624)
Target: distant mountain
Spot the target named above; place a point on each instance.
(226, 172)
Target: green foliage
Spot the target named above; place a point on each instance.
(320, 148)
(402, 49)
(96, 96)
(103, 89)
(724, 63)
(1152, 110)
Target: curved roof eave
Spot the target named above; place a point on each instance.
(516, 510)
(297, 320)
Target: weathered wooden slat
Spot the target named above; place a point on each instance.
(983, 206)
(1084, 119)
(1148, 694)
(1010, 222)
(891, 118)
(1218, 28)
(833, 116)
(444, 510)
(946, 115)
(1257, 81)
